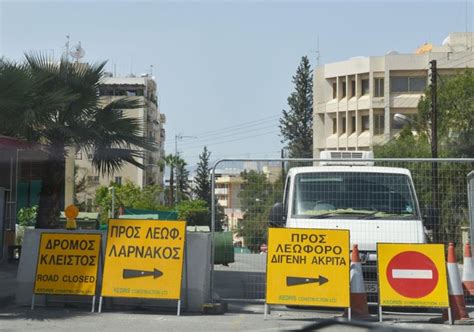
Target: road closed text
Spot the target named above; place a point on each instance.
(67, 263)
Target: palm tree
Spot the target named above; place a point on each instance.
(172, 161)
(57, 105)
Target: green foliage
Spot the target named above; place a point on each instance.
(195, 212)
(182, 180)
(455, 140)
(296, 124)
(26, 216)
(57, 104)
(202, 179)
(128, 195)
(257, 197)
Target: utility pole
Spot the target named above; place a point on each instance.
(433, 76)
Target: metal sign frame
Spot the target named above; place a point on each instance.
(99, 260)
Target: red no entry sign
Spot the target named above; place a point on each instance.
(412, 274)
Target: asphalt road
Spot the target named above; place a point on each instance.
(240, 317)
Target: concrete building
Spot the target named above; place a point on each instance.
(152, 122)
(355, 100)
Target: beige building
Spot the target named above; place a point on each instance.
(152, 121)
(355, 100)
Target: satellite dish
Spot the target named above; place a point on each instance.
(78, 52)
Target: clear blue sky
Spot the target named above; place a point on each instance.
(220, 65)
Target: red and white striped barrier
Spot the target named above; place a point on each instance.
(456, 294)
(359, 307)
(468, 270)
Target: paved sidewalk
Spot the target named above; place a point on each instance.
(7, 284)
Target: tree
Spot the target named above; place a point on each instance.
(256, 198)
(455, 132)
(171, 161)
(57, 105)
(202, 180)
(128, 195)
(182, 180)
(296, 123)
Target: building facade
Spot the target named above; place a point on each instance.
(355, 100)
(152, 122)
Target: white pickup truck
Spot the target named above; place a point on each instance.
(377, 204)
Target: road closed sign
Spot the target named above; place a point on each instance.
(412, 275)
(144, 259)
(308, 267)
(67, 264)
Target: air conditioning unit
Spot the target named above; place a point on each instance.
(356, 158)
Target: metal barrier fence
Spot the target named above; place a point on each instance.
(377, 204)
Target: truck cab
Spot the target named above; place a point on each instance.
(376, 204)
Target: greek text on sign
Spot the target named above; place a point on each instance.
(67, 264)
(308, 267)
(144, 259)
(412, 275)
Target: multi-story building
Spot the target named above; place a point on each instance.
(152, 121)
(355, 100)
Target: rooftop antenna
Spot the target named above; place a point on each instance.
(151, 70)
(318, 53)
(67, 48)
(78, 52)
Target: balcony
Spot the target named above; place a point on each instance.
(220, 191)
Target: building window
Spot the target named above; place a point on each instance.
(379, 124)
(365, 87)
(344, 89)
(407, 84)
(365, 122)
(118, 180)
(93, 179)
(353, 124)
(334, 126)
(79, 155)
(343, 124)
(334, 90)
(378, 87)
(353, 88)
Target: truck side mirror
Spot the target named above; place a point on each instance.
(277, 216)
(430, 216)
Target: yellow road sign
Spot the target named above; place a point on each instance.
(412, 275)
(67, 263)
(308, 267)
(144, 259)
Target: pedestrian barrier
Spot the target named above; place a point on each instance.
(359, 306)
(456, 294)
(468, 270)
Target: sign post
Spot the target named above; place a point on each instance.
(144, 259)
(309, 267)
(67, 265)
(412, 275)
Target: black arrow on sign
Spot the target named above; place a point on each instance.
(127, 273)
(295, 281)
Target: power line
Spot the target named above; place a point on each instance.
(233, 140)
(204, 140)
(235, 127)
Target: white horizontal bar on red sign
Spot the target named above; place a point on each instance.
(412, 274)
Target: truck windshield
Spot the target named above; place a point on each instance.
(354, 195)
